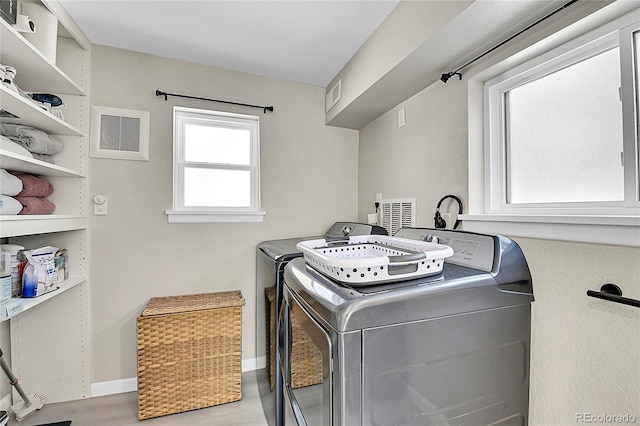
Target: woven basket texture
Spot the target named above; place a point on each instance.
(306, 358)
(189, 353)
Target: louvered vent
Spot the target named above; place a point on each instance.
(397, 214)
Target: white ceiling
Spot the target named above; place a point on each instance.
(297, 40)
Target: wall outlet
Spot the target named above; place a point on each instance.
(100, 205)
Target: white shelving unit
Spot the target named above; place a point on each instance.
(49, 338)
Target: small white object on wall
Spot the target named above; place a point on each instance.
(100, 205)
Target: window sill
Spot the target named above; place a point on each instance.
(211, 217)
(614, 230)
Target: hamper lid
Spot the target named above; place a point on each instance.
(193, 302)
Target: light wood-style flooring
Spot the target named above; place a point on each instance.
(122, 409)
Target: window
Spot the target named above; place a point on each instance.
(553, 139)
(556, 130)
(216, 167)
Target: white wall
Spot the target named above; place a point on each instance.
(425, 159)
(309, 181)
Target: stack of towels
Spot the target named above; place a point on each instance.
(23, 193)
(29, 142)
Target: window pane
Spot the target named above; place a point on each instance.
(217, 188)
(220, 145)
(564, 135)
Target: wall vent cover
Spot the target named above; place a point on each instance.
(398, 213)
(333, 95)
(119, 134)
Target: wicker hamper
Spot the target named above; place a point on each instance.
(189, 353)
(306, 361)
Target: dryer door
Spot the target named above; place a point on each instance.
(308, 371)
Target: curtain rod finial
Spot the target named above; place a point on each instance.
(446, 76)
(159, 93)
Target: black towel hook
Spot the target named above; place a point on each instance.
(613, 293)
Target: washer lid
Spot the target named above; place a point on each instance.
(280, 250)
(456, 291)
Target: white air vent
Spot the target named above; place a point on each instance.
(398, 213)
(333, 95)
(120, 134)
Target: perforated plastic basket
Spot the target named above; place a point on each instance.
(374, 259)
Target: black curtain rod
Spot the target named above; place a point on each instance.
(446, 76)
(165, 94)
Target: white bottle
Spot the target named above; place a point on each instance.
(5, 276)
(16, 275)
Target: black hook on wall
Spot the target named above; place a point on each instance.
(613, 293)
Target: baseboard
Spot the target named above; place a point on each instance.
(254, 364)
(114, 386)
(131, 385)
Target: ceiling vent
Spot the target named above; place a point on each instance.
(398, 213)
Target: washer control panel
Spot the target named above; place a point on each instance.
(348, 229)
(471, 250)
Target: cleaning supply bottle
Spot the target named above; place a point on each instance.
(16, 268)
(5, 276)
(29, 281)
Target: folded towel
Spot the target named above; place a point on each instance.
(10, 184)
(34, 140)
(36, 205)
(7, 144)
(33, 186)
(43, 157)
(9, 205)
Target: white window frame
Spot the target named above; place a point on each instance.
(608, 223)
(183, 116)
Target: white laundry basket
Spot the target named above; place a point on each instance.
(374, 259)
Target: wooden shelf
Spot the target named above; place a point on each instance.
(19, 163)
(29, 303)
(34, 71)
(29, 114)
(15, 226)
(60, 328)
(66, 285)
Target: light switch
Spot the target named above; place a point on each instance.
(402, 117)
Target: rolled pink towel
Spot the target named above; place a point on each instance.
(33, 186)
(36, 205)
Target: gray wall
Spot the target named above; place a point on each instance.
(585, 353)
(309, 180)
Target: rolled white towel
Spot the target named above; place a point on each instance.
(9, 205)
(9, 184)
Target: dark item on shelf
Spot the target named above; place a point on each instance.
(47, 98)
(9, 10)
